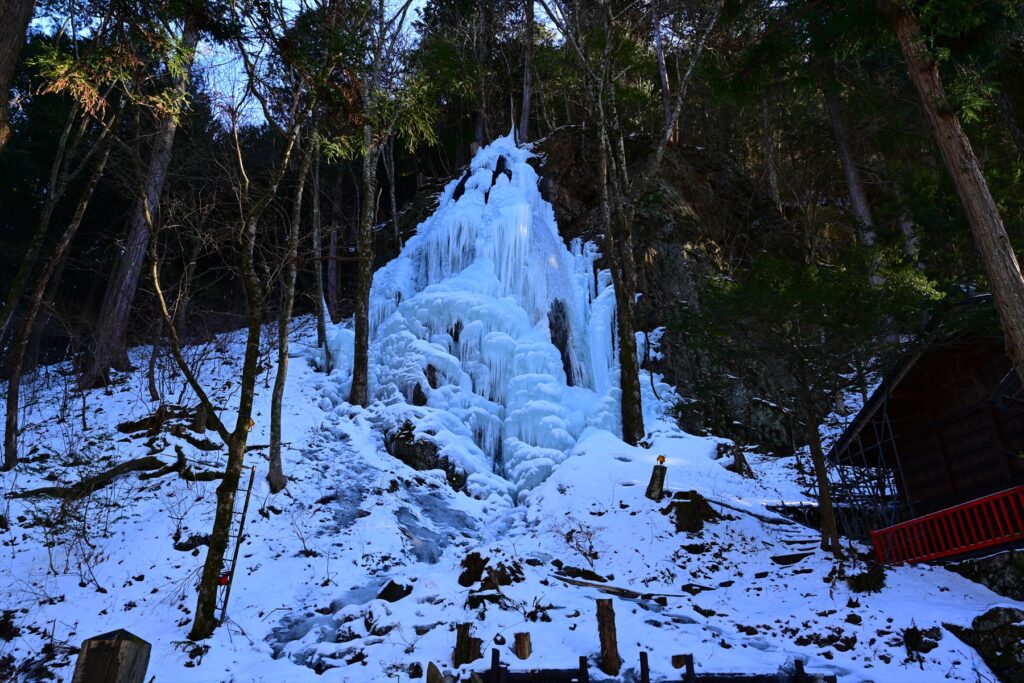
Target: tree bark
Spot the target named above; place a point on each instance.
(659, 53)
(524, 112)
(14, 18)
(998, 259)
(275, 473)
(854, 183)
(108, 346)
(389, 169)
(318, 260)
(829, 528)
(35, 300)
(360, 393)
(337, 217)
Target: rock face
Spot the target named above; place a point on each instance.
(1002, 573)
(998, 636)
(701, 217)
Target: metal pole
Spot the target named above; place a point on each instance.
(238, 545)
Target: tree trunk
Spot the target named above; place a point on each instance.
(108, 346)
(772, 170)
(360, 394)
(524, 112)
(829, 528)
(990, 238)
(14, 18)
(206, 603)
(60, 176)
(318, 261)
(35, 300)
(337, 217)
(1010, 119)
(854, 183)
(659, 53)
(389, 170)
(275, 473)
(629, 367)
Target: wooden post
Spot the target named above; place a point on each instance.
(691, 674)
(584, 670)
(645, 669)
(609, 661)
(799, 676)
(115, 657)
(657, 483)
(467, 648)
(495, 666)
(522, 646)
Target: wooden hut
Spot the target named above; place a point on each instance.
(945, 428)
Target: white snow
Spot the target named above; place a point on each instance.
(544, 460)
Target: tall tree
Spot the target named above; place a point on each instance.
(392, 103)
(14, 18)
(620, 188)
(108, 346)
(997, 256)
(524, 110)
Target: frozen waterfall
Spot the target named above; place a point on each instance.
(488, 335)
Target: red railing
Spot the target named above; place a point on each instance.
(982, 523)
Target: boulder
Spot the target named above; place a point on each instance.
(998, 636)
(690, 510)
(421, 453)
(1002, 573)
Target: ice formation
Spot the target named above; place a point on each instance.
(489, 335)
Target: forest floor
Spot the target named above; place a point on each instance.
(750, 592)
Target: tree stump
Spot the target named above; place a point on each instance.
(609, 662)
(522, 646)
(657, 483)
(467, 648)
(115, 657)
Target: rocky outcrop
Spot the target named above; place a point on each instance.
(998, 636)
(420, 453)
(1002, 573)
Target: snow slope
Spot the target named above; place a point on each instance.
(552, 488)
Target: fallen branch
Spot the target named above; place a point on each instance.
(629, 594)
(764, 518)
(184, 470)
(87, 486)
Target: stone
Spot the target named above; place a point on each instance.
(998, 636)
(789, 559)
(393, 592)
(1002, 573)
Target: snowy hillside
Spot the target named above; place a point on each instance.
(494, 342)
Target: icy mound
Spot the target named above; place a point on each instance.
(489, 335)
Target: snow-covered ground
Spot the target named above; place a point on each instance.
(557, 506)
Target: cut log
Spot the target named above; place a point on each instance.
(522, 646)
(115, 657)
(467, 648)
(657, 483)
(609, 662)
